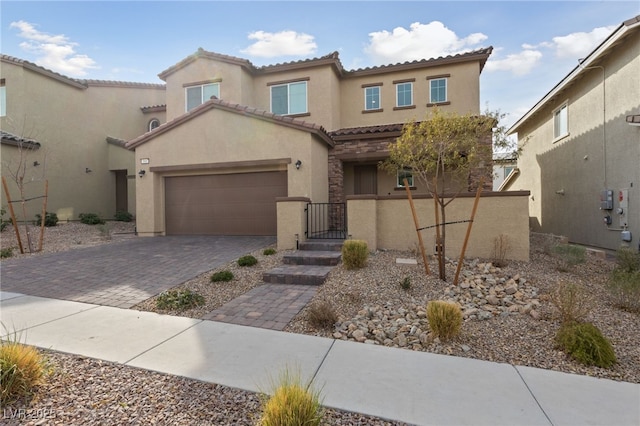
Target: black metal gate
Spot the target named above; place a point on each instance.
(327, 221)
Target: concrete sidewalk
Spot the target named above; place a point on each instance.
(413, 387)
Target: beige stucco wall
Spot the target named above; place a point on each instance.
(292, 222)
(463, 91)
(504, 214)
(217, 137)
(235, 84)
(601, 152)
(72, 125)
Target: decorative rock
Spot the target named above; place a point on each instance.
(493, 299)
(534, 314)
(359, 335)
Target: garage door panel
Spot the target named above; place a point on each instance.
(234, 204)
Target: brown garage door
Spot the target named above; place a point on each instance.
(234, 204)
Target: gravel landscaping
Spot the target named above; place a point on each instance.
(508, 318)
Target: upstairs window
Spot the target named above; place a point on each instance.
(404, 94)
(289, 98)
(403, 174)
(437, 90)
(197, 95)
(372, 98)
(560, 122)
(3, 99)
(153, 124)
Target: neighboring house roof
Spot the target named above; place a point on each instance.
(77, 83)
(511, 177)
(367, 132)
(332, 59)
(315, 129)
(597, 54)
(11, 139)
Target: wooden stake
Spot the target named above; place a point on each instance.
(415, 221)
(44, 212)
(13, 215)
(439, 245)
(466, 238)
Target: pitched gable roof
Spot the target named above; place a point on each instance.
(312, 128)
(601, 51)
(11, 139)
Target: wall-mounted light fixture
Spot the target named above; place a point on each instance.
(87, 170)
(36, 164)
(142, 172)
(298, 164)
(560, 191)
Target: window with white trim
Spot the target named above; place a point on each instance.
(197, 95)
(289, 98)
(560, 122)
(372, 98)
(404, 94)
(437, 90)
(403, 174)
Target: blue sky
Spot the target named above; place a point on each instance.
(536, 43)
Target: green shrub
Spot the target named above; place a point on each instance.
(90, 219)
(624, 287)
(247, 260)
(6, 252)
(572, 302)
(269, 251)
(445, 318)
(22, 368)
(222, 276)
(122, 216)
(570, 255)
(322, 315)
(586, 344)
(355, 254)
(292, 404)
(50, 219)
(405, 284)
(179, 299)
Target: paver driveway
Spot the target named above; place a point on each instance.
(123, 273)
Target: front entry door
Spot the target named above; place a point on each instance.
(365, 179)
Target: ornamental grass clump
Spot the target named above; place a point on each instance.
(624, 282)
(322, 315)
(585, 343)
(292, 403)
(179, 300)
(355, 254)
(570, 255)
(22, 368)
(572, 302)
(445, 318)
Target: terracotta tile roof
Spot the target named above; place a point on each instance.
(116, 141)
(354, 132)
(114, 83)
(633, 119)
(480, 55)
(11, 139)
(154, 108)
(332, 59)
(296, 123)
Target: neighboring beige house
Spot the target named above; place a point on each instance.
(581, 148)
(239, 136)
(72, 133)
(505, 168)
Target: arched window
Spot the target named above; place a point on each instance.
(153, 124)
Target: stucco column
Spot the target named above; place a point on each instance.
(291, 221)
(362, 219)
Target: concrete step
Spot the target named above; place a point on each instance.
(315, 257)
(321, 245)
(297, 274)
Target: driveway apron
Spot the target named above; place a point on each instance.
(123, 273)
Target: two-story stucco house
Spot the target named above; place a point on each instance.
(581, 148)
(237, 136)
(71, 133)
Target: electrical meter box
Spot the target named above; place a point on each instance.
(606, 199)
(623, 206)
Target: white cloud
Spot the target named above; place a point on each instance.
(578, 45)
(518, 63)
(420, 41)
(283, 43)
(55, 52)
